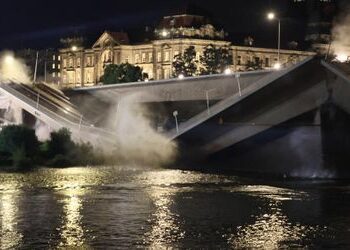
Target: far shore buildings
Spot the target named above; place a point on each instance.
(80, 66)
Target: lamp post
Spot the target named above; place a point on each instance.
(175, 114)
(272, 16)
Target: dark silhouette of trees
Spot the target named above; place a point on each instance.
(215, 60)
(185, 63)
(121, 73)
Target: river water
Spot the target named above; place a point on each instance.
(129, 207)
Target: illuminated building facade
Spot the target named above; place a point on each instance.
(84, 66)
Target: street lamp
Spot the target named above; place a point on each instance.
(272, 16)
(74, 48)
(175, 114)
(181, 76)
(9, 59)
(277, 66)
(227, 71)
(164, 33)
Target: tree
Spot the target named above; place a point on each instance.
(215, 60)
(121, 73)
(14, 138)
(20, 144)
(60, 143)
(185, 64)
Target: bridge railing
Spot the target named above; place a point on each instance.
(55, 118)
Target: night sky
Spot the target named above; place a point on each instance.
(25, 23)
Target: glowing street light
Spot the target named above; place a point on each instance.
(165, 33)
(181, 76)
(74, 48)
(227, 71)
(9, 59)
(272, 16)
(277, 66)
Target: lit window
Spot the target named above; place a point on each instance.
(137, 58)
(70, 62)
(150, 57)
(53, 74)
(159, 57)
(59, 58)
(143, 57)
(166, 56)
(53, 66)
(88, 61)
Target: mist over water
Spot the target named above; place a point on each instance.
(136, 138)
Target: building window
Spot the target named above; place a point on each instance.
(267, 62)
(59, 74)
(53, 66)
(239, 60)
(54, 74)
(137, 58)
(78, 62)
(143, 57)
(59, 58)
(167, 56)
(54, 57)
(58, 66)
(88, 61)
(70, 63)
(159, 57)
(150, 57)
(166, 73)
(64, 63)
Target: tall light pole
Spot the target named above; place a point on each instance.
(272, 16)
(175, 114)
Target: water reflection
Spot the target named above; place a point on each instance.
(10, 237)
(165, 223)
(271, 228)
(72, 186)
(72, 232)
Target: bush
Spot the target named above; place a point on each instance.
(14, 137)
(60, 143)
(20, 159)
(60, 161)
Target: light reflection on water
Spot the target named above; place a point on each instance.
(10, 237)
(165, 227)
(72, 232)
(110, 208)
